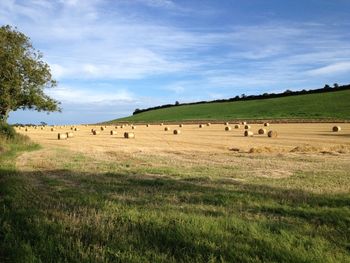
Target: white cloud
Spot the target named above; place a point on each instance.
(83, 96)
(333, 69)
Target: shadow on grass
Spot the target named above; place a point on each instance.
(57, 215)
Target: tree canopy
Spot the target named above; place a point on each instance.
(23, 75)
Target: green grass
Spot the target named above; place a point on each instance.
(127, 208)
(330, 105)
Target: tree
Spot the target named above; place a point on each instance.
(326, 86)
(177, 103)
(23, 75)
(336, 85)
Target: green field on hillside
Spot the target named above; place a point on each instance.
(330, 105)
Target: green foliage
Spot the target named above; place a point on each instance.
(7, 130)
(23, 74)
(330, 105)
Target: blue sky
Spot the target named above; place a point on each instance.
(110, 57)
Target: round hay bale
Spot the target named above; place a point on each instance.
(247, 127)
(26, 129)
(62, 136)
(53, 129)
(102, 128)
(42, 128)
(113, 132)
(272, 134)
(228, 128)
(226, 123)
(244, 123)
(72, 128)
(248, 134)
(129, 135)
(266, 124)
(200, 125)
(181, 125)
(76, 129)
(336, 129)
(166, 129)
(70, 134)
(147, 125)
(133, 127)
(161, 124)
(176, 132)
(262, 131)
(116, 127)
(208, 124)
(237, 126)
(95, 132)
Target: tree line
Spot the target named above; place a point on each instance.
(243, 97)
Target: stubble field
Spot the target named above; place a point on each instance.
(205, 195)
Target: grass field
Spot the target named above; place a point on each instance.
(331, 105)
(186, 198)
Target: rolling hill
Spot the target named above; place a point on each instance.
(328, 105)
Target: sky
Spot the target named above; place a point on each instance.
(113, 56)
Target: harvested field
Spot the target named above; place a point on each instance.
(207, 195)
(209, 139)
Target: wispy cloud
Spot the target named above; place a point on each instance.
(333, 69)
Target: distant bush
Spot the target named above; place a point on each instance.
(7, 131)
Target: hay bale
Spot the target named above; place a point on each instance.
(227, 128)
(95, 132)
(176, 132)
(181, 125)
(272, 134)
(53, 129)
(336, 129)
(76, 129)
(266, 124)
(262, 131)
(247, 127)
(200, 125)
(226, 123)
(26, 129)
(113, 132)
(62, 136)
(102, 128)
(72, 128)
(208, 124)
(161, 124)
(70, 134)
(133, 127)
(244, 123)
(116, 127)
(129, 135)
(166, 129)
(237, 126)
(248, 134)
(147, 125)
(42, 128)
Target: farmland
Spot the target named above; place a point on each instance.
(329, 105)
(205, 195)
